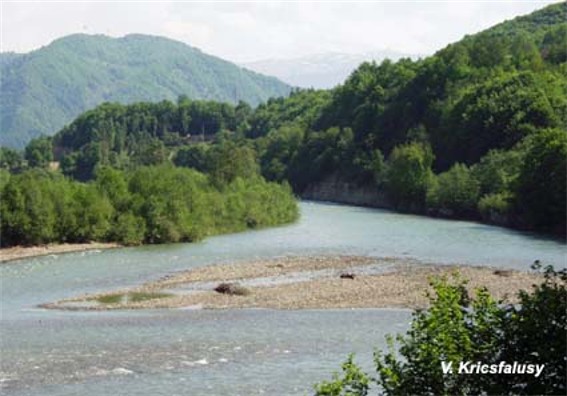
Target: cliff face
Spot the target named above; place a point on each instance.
(335, 189)
(339, 190)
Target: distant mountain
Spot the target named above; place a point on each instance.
(47, 88)
(321, 70)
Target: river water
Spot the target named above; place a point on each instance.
(233, 352)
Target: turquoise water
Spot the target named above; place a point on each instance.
(246, 352)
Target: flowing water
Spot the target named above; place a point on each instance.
(233, 352)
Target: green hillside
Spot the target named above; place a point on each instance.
(45, 89)
(476, 131)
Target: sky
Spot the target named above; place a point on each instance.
(255, 30)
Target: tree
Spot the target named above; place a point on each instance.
(454, 192)
(541, 191)
(498, 170)
(128, 229)
(27, 210)
(228, 160)
(11, 160)
(536, 330)
(409, 174)
(39, 152)
(193, 156)
(93, 214)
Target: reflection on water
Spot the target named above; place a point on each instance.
(192, 352)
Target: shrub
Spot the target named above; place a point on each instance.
(459, 328)
(409, 174)
(455, 191)
(494, 206)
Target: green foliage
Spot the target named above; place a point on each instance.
(302, 107)
(554, 44)
(27, 209)
(49, 87)
(454, 329)
(476, 102)
(409, 174)
(370, 166)
(496, 115)
(536, 330)
(497, 171)
(173, 203)
(4, 178)
(128, 229)
(541, 189)
(322, 154)
(150, 204)
(354, 382)
(193, 156)
(142, 134)
(229, 160)
(483, 101)
(92, 213)
(454, 192)
(11, 160)
(495, 207)
(459, 328)
(278, 149)
(39, 152)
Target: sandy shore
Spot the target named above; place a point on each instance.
(20, 252)
(303, 283)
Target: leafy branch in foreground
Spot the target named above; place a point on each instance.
(457, 328)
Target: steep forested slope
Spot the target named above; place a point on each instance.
(475, 131)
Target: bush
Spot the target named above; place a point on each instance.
(455, 191)
(409, 174)
(129, 229)
(458, 328)
(495, 206)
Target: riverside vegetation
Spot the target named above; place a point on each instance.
(475, 131)
(460, 328)
(151, 204)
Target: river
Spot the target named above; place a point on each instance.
(232, 352)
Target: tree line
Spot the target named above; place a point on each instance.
(151, 204)
(475, 131)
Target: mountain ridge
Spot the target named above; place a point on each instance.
(50, 86)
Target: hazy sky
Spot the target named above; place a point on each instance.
(244, 31)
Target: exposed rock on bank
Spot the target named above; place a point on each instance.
(335, 189)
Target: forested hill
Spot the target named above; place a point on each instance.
(475, 131)
(45, 89)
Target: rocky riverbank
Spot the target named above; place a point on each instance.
(21, 252)
(302, 283)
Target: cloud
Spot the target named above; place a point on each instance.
(245, 31)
